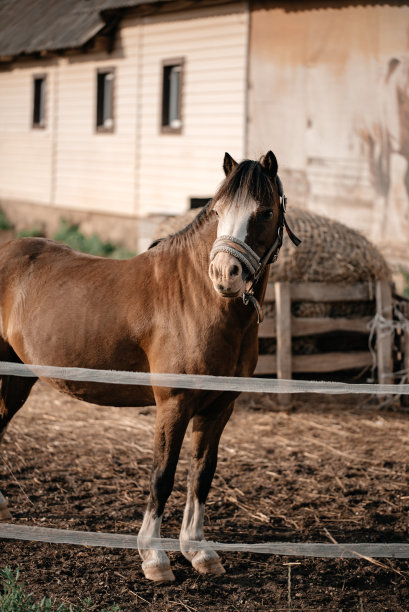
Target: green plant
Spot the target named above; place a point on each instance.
(71, 235)
(14, 598)
(5, 224)
(405, 275)
(30, 233)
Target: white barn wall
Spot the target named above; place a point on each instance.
(136, 170)
(95, 170)
(69, 164)
(25, 153)
(175, 167)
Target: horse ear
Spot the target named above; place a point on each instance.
(270, 164)
(228, 164)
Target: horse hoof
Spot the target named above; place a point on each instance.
(209, 566)
(159, 574)
(5, 514)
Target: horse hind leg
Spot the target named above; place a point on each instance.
(206, 433)
(13, 393)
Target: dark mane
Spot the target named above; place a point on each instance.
(247, 177)
(195, 223)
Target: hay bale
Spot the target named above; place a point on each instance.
(330, 252)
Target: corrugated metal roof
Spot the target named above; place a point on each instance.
(31, 26)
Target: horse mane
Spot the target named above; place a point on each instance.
(247, 177)
(197, 222)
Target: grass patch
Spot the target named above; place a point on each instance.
(5, 224)
(405, 275)
(14, 598)
(71, 235)
(30, 233)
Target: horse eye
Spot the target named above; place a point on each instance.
(266, 214)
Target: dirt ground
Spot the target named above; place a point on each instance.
(314, 470)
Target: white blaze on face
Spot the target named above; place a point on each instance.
(234, 217)
(225, 270)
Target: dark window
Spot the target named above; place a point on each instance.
(172, 81)
(199, 202)
(105, 99)
(39, 85)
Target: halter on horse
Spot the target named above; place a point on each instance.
(180, 307)
(251, 261)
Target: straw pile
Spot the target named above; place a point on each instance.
(329, 252)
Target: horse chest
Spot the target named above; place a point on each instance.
(202, 348)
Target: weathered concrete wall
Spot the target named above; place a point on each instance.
(134, 233)
(329, 93)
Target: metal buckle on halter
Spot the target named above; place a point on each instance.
(248, 297)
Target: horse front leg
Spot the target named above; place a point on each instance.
(170, 428)
(206, 432)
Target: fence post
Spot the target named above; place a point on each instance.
(404, 399)
(384, 334)
(283, 329)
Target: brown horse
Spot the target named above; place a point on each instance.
(176, 308)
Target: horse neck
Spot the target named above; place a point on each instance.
(191, 252)
(192, 247)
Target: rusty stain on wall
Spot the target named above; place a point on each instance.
(329, 92)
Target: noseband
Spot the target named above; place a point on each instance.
(251, 261)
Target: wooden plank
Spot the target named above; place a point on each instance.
(384, 333)
(266, 364)
(267, 328)
(405, 398)
(326, 292)
(331, 362)
(305, 326)
(283, 329)
(320, 363)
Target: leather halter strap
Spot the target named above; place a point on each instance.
(251, 261)
(272, 253)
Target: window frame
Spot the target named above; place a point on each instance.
(42, 124)
(165, 127)
(100, 127)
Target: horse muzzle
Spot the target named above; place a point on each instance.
(232, 262)
(226, 274)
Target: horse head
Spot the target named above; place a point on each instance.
(250, 206)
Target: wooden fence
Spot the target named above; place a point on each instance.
(284, 326)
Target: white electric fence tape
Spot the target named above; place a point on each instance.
(119, 540)
(198, 382)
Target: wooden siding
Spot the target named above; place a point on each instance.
(25, 153)
(175, 167)
(94, 170)
(135, 170)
